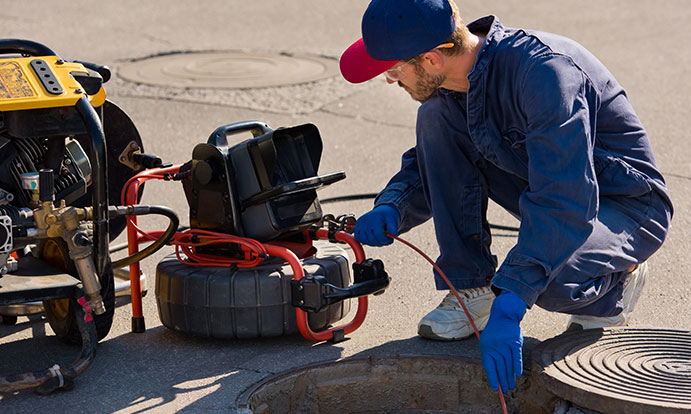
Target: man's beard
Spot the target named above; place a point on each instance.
(425, 86)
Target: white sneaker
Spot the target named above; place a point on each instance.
(633, 286)
(448, 321)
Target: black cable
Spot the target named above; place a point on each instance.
(500, 227)
(123, 246)
(373, 195)
(348, 198)
(138, 210)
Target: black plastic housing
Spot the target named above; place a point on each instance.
(263, 187)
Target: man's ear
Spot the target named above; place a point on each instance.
(432, 61)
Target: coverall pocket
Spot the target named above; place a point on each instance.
(472, 210)
(636, 208)
(615, 177)
(518, 259)
(515, 138)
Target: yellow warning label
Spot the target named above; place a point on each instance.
(13, 83)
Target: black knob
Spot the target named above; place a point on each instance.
(46, 190)
(203, 172)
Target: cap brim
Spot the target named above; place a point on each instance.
(358, 66)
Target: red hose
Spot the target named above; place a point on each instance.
(467, 314)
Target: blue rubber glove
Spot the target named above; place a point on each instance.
(501, 343)
(371, 227)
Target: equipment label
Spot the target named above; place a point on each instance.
(13, 83)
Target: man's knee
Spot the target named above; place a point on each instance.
(599, 296)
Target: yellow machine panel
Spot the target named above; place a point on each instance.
(41, 82)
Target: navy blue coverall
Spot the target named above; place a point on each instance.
(546, 132)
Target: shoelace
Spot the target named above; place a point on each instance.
(451, 301)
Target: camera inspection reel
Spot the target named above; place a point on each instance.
(260, 258)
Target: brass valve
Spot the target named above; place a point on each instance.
(65, 222)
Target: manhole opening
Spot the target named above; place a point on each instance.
(611, 370)
(228, 69)
(395, 385)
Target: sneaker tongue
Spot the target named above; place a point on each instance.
(450, 300)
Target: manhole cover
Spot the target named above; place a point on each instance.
(391, 385)
(231, 69)
(619, 370)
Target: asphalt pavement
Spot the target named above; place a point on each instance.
(365, 128)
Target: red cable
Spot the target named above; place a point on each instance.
(183, 241)
(254, 251)
(467, 314)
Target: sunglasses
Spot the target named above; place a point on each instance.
(396, 73)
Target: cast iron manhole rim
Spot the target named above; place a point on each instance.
(228, 69)
(620, 370)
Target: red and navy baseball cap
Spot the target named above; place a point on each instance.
(394, 30)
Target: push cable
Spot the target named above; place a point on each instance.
(467, 314)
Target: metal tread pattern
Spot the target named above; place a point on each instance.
(619, 370)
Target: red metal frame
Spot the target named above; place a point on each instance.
(129, 197)
(299, 273)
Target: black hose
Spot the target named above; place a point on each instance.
(99, 196)
(123, 246)
(374, 195)
(52, 379)
(500, 227)
(138, 210)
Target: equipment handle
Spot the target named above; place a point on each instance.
(365, 288)
(305, 184)
(102, 70)
(27, 47)
(299, 273)
(219, 137)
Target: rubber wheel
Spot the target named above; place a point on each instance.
(223, 302)
(60, 312)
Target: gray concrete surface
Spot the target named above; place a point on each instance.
(365, 128)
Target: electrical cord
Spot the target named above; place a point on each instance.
(351, 197)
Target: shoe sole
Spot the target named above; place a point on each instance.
(427, 333)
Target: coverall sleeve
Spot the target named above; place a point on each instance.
(404, 191)
(559, 206)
